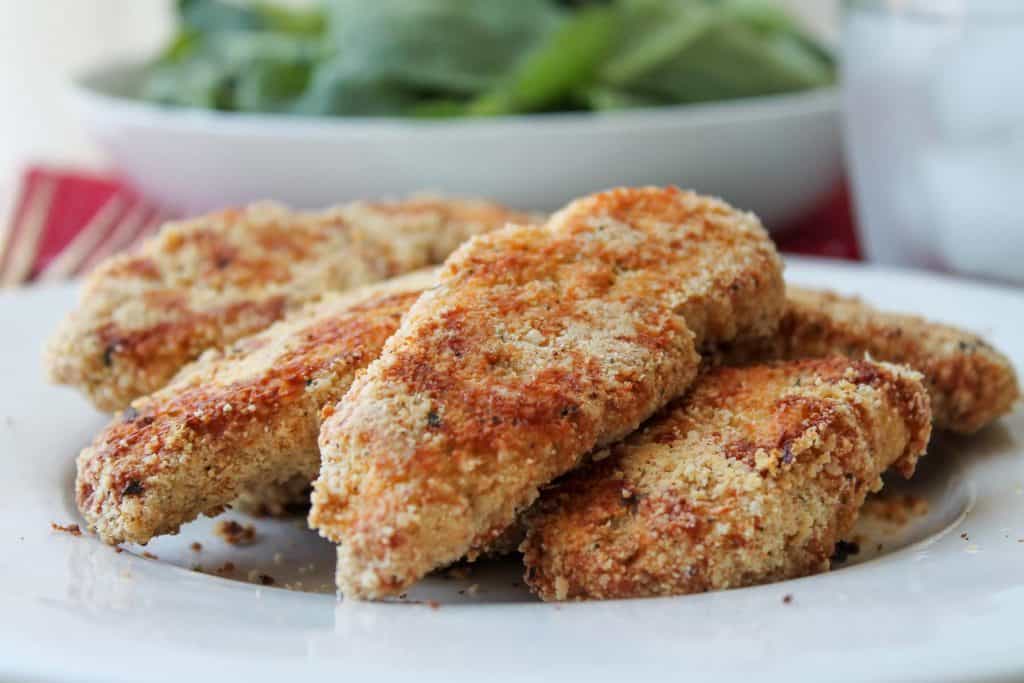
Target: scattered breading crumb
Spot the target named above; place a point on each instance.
(233, 533)
(149, 556)
(196, 546)
(433, 604)
(965, 536)
(72, 529)
(256, 576)
(226, 568)
(787, 599)
(473, 590)
(895, 508)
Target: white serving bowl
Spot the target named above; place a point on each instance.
(774, 155)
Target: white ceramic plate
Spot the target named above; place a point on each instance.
(941, 600)
(197, 160)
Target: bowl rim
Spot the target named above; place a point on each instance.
(91, 90)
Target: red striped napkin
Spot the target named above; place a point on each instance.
(65, 222)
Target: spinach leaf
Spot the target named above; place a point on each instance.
(443, 58)
(203, 16)
(565, 62)
(212, 16)
(213, 70)
(680, 51)
(390, 56)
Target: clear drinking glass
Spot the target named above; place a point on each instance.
(934, 118)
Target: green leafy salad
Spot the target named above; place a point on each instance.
(452, 58)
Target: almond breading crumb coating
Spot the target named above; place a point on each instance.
(236, 420)
(970, 383)
(204, 282)
(751, 478)
(539, 344)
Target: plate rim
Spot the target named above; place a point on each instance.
(1009, 666)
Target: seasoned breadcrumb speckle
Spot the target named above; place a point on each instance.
(172, 457)
(753, 477)
(205, 282)
(539, 344)
(970, 382)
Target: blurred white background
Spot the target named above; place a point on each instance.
(43, 43)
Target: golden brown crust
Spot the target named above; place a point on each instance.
(752, 477)
(970, 383)
(205, 282)
(539, 344)
(236, 420)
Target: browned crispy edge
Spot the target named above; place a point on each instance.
(970, 383)
(188, 449)
(813, 457)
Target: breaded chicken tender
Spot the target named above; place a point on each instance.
(205, 282)
(239, 420)
(539, 344)
(751, 478)
(970, 383)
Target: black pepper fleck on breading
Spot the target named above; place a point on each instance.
(843, 551)
(134, 488)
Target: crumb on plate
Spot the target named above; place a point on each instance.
(234, 533)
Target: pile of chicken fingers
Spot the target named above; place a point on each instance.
(627, 390)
